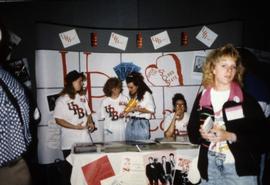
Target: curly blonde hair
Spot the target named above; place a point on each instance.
(214, 57)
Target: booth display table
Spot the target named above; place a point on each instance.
(122, 164)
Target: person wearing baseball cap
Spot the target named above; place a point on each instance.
(73, 114)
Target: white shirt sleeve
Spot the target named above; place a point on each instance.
(102, 110)
(148, 102)
(60, 107)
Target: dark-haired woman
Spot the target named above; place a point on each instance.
(73, 114)
(138, 127)
(175, 124)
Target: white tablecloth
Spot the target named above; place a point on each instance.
(116, 158)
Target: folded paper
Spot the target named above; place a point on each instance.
(98, 170)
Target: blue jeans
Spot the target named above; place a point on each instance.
(224, 174)
(137, 129)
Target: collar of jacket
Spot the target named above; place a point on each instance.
(236, 95)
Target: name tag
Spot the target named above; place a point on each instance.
(234, 113)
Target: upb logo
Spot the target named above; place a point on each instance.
(76, 109)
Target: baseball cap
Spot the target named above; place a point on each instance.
(73, 75)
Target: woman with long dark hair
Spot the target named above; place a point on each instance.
(73, 114)
(138, 127)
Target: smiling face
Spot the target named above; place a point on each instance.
(224, 72)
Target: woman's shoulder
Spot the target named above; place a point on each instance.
(147, 94)
(105, 99)
(62, 98)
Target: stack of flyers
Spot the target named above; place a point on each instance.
(123, 69)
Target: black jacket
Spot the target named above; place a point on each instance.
(251, 132)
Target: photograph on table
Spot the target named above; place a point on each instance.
(159, 167)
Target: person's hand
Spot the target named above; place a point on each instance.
(206, 135)
(218, 134)
(122, 115)
(132, 109)
(179, 113)
(91, 126)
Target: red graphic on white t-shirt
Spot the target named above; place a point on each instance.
(76, 109)
(112, 112)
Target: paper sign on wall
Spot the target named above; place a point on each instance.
(160, 40)
(69, 38)
(206, 36)
(118, 41)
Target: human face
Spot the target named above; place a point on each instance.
(77, 84)
(224, 72)
(132, 88)
(180, 108)
(163, 158)
(180, 104)
(116, 91)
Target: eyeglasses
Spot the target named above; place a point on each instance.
(180, 105)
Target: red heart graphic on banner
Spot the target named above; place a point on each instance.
(166, 72)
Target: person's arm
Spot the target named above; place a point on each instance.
(218, 134)
(141, 109)
(148, 101)
(169, 133)
(90, 123)
(66, 124)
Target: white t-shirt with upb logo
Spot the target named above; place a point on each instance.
(74, 111)
(114, 123)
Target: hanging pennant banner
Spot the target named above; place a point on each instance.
(206, 36)
(69, 38)
(118, 41)
(160, 40)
